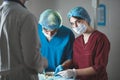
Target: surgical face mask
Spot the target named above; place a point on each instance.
(49, 37)
(80, 29)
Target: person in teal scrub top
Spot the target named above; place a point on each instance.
(56, 41)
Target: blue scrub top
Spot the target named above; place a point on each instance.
(59, 49)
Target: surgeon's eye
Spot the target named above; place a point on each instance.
(78, 21)
(72, 24)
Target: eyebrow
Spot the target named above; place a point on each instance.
(75, 21)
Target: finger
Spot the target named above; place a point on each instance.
(62, 74)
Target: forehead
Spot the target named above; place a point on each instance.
(73, 19)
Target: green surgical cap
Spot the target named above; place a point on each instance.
(50, 19)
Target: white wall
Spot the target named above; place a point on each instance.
(37, 6)
(112, 28)
(0, 1)
(63, 6)
(112, 31)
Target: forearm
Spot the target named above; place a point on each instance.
(85, 71)
(67, 64)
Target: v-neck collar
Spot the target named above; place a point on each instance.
(89, 39)
(49, 42)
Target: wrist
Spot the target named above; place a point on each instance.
(74, 72)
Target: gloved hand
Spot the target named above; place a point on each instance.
(58, 69)
(70, 73)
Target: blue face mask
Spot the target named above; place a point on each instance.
(80, 29)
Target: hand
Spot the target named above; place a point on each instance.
(58, 69)
(70, 73)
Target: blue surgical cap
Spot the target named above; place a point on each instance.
(50, 19)
(79, 12)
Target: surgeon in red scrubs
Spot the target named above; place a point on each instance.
(91, 49)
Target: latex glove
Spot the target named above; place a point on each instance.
(58, 69)
(70, 73)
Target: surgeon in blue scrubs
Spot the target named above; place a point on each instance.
(56, 41)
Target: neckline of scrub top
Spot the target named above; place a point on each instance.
(49, 42)
(44, 37)
(90, 37)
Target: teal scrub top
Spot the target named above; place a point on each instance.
(58, 49)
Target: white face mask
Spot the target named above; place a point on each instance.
(80, 29)
(48, 36)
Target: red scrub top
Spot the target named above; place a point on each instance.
(94, 53)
